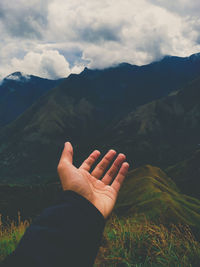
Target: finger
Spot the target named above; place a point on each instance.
(103, 164)
(87, 164)
(118, 181)
(67, 154)
(113, 169)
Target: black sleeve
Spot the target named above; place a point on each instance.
(67, 235)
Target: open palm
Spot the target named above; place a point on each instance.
(99, 187)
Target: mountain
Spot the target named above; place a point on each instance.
(162, 132)
(186, 174)
(18, 92)
(102, 108)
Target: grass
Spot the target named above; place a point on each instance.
(10, 234)
(127, 242)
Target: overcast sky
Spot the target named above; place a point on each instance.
(53, 38)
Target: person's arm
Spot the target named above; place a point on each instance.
(69, 234)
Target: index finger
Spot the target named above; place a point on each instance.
(87, 164)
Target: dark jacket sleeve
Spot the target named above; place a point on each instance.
(67, 234)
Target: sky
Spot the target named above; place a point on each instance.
(53, 38)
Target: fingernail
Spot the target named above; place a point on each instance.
(67, 143)
(127, 164)
(112, 150)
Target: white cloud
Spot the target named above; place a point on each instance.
(49, 64)
(52, 38)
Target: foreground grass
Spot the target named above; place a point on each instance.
(127, 242)
(10, 235)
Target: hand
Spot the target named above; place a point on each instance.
(99, 188)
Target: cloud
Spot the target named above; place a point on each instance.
(182, 7)
(22, 19)
(49, 64)
(52, 38)
(99, 34)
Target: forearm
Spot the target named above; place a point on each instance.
(67, 234)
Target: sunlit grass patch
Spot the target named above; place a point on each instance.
(10, 234)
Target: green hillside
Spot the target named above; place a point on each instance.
(149, 192)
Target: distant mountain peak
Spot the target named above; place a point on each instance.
(125, 65)
(18, 76)
(195, 57)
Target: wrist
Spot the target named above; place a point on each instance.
(92, 199)
(69, 194)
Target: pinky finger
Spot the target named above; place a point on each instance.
(118, 181)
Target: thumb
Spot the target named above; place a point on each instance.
(67, 154)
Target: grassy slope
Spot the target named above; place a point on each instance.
(149, 191)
